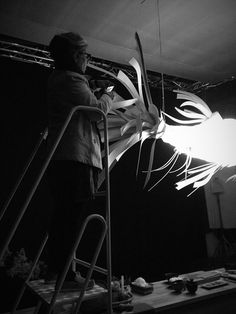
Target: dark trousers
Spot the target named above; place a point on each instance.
(72, 185)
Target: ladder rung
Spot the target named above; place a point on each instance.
(86, 264)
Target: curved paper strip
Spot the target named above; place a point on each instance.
(191, 114)
(145, 135)
(136, 65)
(192, 180)
(193, 97)
(139, 126)
(154, 111)
(117, 120)
(201, 168)
(127, 126)
(114, 134)
(182, 121)
(140, 106)
(166, 164)
(177, 155)
(200, 183)
(145, 80)
(205, 112)
(120, 114)
(122, 148)
(233, 177)
(116, 144)
(131, 90)
(150, 163)
(188, 163)
(101, 176)
(123, 104)
(116, 148)
(185, 165)
(202, 106)
(129, 85)
(132, 112)
(148, 125)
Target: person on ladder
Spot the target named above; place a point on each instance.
(73, 171)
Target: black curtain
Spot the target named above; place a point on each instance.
(152, 232)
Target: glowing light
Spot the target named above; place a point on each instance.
(211, 140)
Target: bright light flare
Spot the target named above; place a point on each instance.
(213, 140)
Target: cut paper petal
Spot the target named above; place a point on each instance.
(202, 106)
(129, 85)
(132, 112)
(191, 114)
(121, 78)
(154, 111)
(122, 115)
(145, 79)
(117, 120)
(127, 126)
(173, 164)
(202, 182)
(124, 103)
(150, 163)
(185, 166)
(122, 148)
(136, 65)
(192, 180)
(201, 168)
(145, 135)
(183, 121)
(167, 163)
(191, 96)
(233, 178)
(199, 107)
(101, 176)
(114, 134)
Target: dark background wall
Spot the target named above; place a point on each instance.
(152, 232)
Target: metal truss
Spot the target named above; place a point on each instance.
(25, 53)
(32, 53)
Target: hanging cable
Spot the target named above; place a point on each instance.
(160, 52)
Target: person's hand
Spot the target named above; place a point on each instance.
(110, 94)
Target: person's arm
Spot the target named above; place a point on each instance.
(81, 94)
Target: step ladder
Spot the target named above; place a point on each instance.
(50, 297)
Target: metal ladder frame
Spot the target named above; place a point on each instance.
(71, 258)
(33, 190)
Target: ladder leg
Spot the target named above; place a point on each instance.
(22, 290)
(19, 180)
(38, 306)
(71, 257)
(108, 218)
(95, 256)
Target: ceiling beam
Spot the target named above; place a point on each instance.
(31, 53)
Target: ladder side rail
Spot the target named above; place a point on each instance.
(23, 173)
(22, 290)
(62, 277)
(94, 260)
(108, 213)
(42, 171)
(86, 264)
(108, 216)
